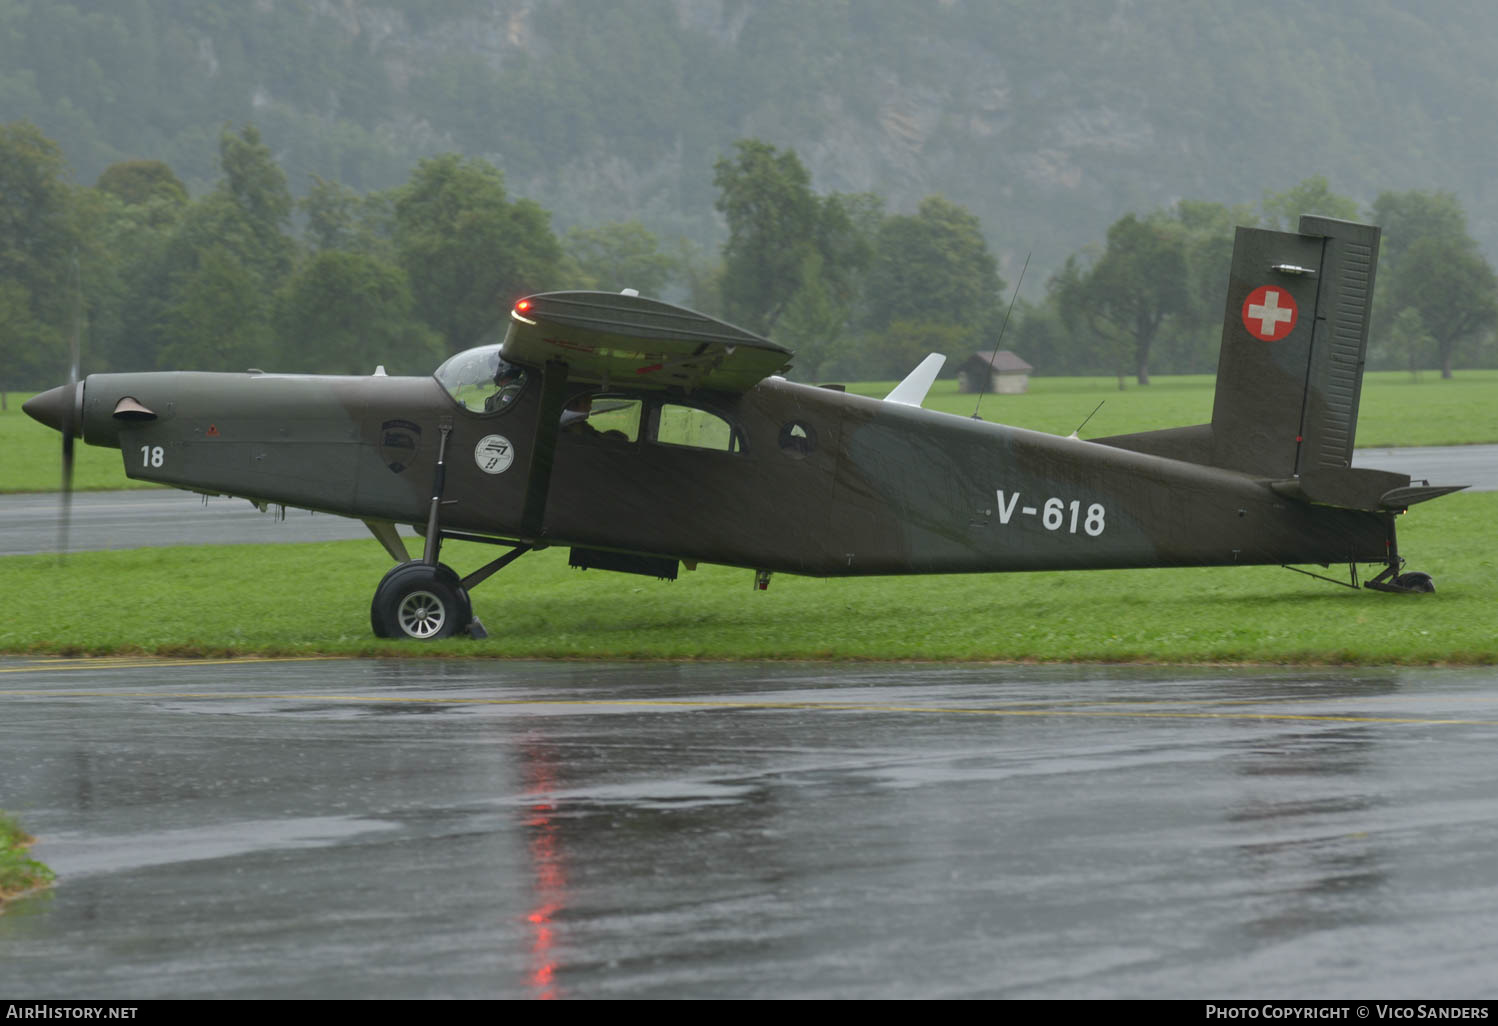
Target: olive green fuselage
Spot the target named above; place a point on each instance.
(861, 486)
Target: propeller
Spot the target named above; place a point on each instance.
(71, 413)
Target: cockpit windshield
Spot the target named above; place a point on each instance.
(481, 380)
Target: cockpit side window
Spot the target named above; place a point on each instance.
(695, 428)
(602, 416)
(481, 381)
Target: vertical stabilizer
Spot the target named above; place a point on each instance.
(1294, 340)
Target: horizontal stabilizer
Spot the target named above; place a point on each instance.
(1403, 498)
(1359, 488)
(912, 391)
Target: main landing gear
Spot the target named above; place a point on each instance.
(428, 601)
(424, 599)
(416, 600)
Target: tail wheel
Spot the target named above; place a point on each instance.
(1415, 581)
(420, 601)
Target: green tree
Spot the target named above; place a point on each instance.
(1406, 217)
(1453, 289)
(121, 250)
(346, 313)
(1126, 297)
(38, 241)
(29, 349)
(1210, 230)
(226, 259)
(931, 268)
(218, 318)
(813, 323)
(619, 256)
(779, 233)
(1041, 337)
(340, 218)
(1282, 210)
(1429, 262)
(895, 351)
(256, 186)
(1410, 341)
(139, 182)
(332, 211)
(467, 250)
(933, 265)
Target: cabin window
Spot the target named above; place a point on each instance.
(695, 428)
(482, 381)
(602, 416)
(798, 439)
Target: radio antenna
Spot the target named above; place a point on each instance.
(1002, 328)
(1077, 433)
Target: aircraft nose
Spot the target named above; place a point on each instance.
(53, 406)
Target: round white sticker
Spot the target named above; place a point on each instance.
(494, 454)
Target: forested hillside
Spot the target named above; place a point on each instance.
(324, 185)
(1049, 119)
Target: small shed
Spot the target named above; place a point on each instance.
(1008, 374)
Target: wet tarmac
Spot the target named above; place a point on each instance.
(159, 516)
(1475, 466)
(424, 828)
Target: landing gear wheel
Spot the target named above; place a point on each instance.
(416, 600)
(1416, 582)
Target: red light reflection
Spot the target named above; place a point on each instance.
(550, 873)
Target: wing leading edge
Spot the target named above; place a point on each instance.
(633, 342)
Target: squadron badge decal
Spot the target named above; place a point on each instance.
(494, 454)
(398, 442)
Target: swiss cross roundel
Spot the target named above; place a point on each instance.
(1269, 313)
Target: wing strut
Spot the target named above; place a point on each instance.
(384, 532)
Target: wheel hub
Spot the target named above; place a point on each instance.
(421, 614)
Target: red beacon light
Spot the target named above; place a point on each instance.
(523, 306)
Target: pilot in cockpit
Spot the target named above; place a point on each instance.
(509, 381)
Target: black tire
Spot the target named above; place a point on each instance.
(1416, 582)
(420, 602)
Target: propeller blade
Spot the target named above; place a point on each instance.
(66, 513)
(73, 410)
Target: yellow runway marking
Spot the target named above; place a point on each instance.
(1112, 712)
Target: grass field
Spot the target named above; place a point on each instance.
(1394, 411)
(18, 873)
(314, 598)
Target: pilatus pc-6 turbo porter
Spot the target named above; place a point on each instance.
(644, 436)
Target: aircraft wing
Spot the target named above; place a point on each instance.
(633, 342)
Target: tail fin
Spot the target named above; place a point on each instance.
(1294, 341)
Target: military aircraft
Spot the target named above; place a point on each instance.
(645, 436)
